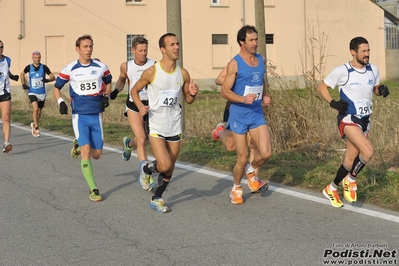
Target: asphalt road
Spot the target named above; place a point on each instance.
(46, 217)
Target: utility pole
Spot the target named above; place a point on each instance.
(260, 25)
(173, 25)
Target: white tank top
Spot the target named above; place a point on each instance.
(164, 97)
(134, 72)
(4, 79)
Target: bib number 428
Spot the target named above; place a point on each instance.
(169, 101)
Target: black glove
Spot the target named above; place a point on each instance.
(14, 77)
(105, 102)
(113, 94)
(25, 87)
(63, 108)
(383, 90)
(340, 105)
(45, 80)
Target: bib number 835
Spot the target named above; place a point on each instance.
(88, 86)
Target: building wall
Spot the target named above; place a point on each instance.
(52, 26)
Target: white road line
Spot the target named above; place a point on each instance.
(300, 195)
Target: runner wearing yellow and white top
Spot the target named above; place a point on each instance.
(164, 97)
(166, 81)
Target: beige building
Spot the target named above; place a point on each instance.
(298, 32)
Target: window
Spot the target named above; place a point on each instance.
(219, 3)
(219, 39)
(134, 2)
(55, 2)
(220, 50)
(215, 2)
(391, 38)
(129, 39)
(269, 38)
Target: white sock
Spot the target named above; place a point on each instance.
(236, 186)
(250, 169)
(350, 179)
(332, 188)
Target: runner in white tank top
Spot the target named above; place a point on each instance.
(131, 71)
(166, 81)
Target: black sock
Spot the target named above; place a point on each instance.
(357, 166)
(341, 173)
(163, 182)
(150, 168)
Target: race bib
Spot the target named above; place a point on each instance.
(143, 93)
(168, 97)
(87, 87)
(36, 83)
(363, 107)
(254, 90)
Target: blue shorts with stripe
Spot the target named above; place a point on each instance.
(88, 129)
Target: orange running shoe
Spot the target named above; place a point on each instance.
(215, 132)
(349, 190)
(333, 197)
(253, 182)
(236, 195)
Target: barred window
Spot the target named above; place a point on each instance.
(391, 38)
(219, 39)
(269, 38)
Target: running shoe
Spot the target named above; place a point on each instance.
(144, 179)
(95, 195)
(37, 132)
(158, 205)
(254, 184)
(7, 147)
(215, 132)
(32, 126)
(333, 197)
(153, 185)
(349, 190)
(127, 151)
(75, 152)
(236, 195)
(263, 185)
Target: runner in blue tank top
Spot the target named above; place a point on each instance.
(35, 85)
(245, 88)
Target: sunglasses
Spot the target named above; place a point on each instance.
(1, 47)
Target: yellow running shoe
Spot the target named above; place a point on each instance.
(236, 196)
(95, 195)
(349, 190)
(75, 152)
(333, 197)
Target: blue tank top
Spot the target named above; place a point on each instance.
(36, 84)
(249, 80)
